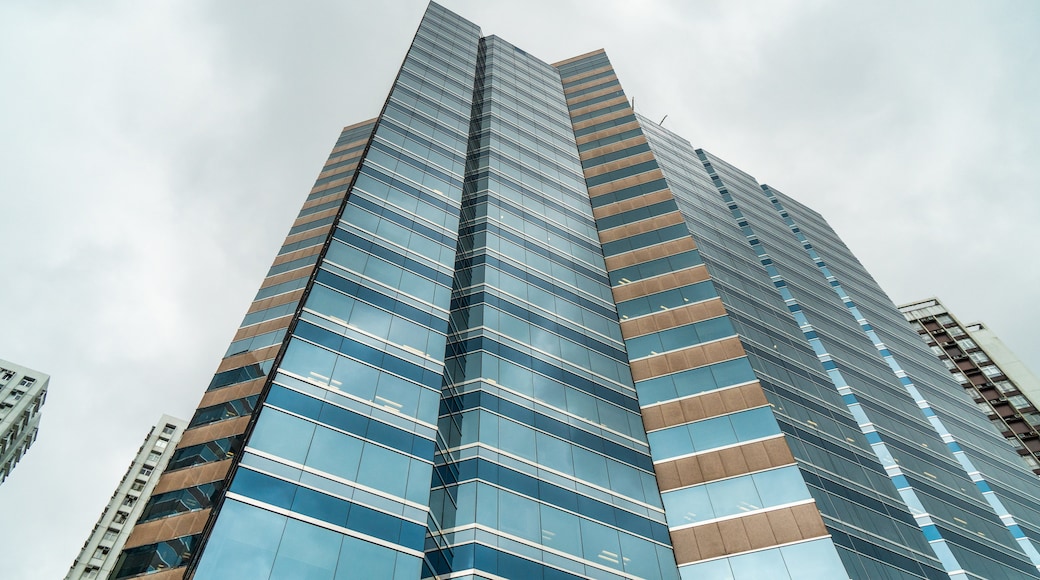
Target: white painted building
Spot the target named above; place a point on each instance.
(101, 550)
(1002, 385)
(22, 392)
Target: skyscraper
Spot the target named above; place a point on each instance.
(98, 556)
(519, 331)
(1003, 387)
(22, 392)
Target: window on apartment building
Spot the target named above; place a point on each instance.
(137, 485)
(169, 429)
(146, 470)
(967, 343)
(1004, 386)
(6, 375)
(153, 457)
(991, 371)
(979, 357)
(129, 501)
(120, 517)
(101, 552)
(110, 535)
(1019, 401)
(26, 382)
(161, 444)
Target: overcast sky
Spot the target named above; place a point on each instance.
(154, 154)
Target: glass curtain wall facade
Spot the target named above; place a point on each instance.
(519, 331)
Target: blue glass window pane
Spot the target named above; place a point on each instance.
(335, 453)
(243, 543)
(384, 470)
(361, 560)
(640, 557)
(670, 442)
(733, 496)
(408, 567)
(600, 544)
(815, 559)
(307, 552)
(764, 564)
(320, 506)
(715, 570)
(282, 435)
(520, 517)
(712, 433)
(686, 506)
(782, 485)
(755, 423)
(733, 372)
(264, 488)
(355, 378)
(308, 361)
(560, 530)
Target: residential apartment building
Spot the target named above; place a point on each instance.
(98, 556)
(1000, 383)
(518, 330)
(22, 392)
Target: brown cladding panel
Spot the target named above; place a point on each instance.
(619, 164)
(641, 226)
(631, 203)
(614, 88)
(297, 254)
(338, 170)
(597, 106)
(192, 476)
(686, 359)
(315, 217)
(602, 118)
(278, 300)
(590, 82)
(167, 529)
(213, 431)
(661, 283)
(732, 536)
(301, 272)
(666, 319)
(612, 147)
(262, 328)
(630, 181)
(168, 574)
(248, 358)
(308, 234)
(606, 131)
(654, 252)
(230, 393)
(703, 406)
(577, 58)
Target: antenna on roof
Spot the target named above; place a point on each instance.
(662, 121)
(633, 104)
